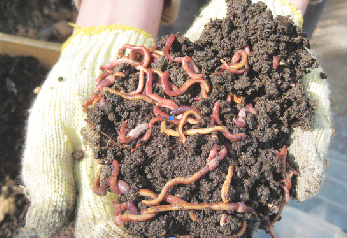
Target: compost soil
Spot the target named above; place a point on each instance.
(19, 76)
(277, 95)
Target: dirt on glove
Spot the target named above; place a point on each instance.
(276, 92)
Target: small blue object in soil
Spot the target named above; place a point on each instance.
(172, 118)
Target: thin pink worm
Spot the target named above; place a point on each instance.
(180, 180)
(149, 130)
(135, 49)
(160, 113)
(275, 62)
(191, 68)
(120, 61)
(215, 114)
(103, 188)
(113, 180)
(205, 87)
(119, 220)
(133, 134)
(251, 109)
(182, 109)
(167, 47)
(163, 102)
(119, 208)
(213, 153)
(104, 83)
(123, 187)
(240, 121)
(101, 76)
(141, 83)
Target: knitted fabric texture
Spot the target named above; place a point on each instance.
(53, 133)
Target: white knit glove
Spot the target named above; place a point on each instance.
(308, 148)
(49, 172)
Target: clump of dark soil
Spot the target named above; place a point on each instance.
(19, 76)
(277, 95)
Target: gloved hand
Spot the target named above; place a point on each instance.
(307, 148)
(56, 118)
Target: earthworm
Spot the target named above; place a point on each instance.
(120, 61)
(235, 58)
(226, 133)
(119, 207)
(182, 109)
(226, 184)
(180, 180)
(160, 113)
(223, 219)
(160, 74)
(103, 188)
(88, 102)
(205, 87)
(119, 220)
(134, 133)
(163, 102)
(190, 67)
(251, 109)
(184, 120)
(148, 133)
(240, 121)
(215, 114)
(113, 180)
(135, 49)
(132, 208)
(283, 158)
(123, 187)
(219, 206)
(242, 230)
(235, 67)
(100, 77)
(167, 47)
(105, 83)
(141, 84)
(130, 97)
(213, 151)
(275, 62)
(168, 198)
(123, 138)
